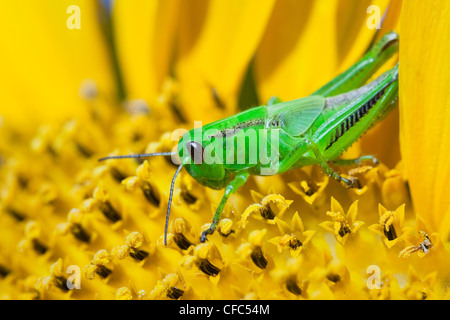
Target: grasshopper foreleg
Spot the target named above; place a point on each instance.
(238, 181)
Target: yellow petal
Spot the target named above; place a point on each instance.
(382, 139)
(390, 243)
(254, 208)
(336, 206)
(283, 226)
(284, 66)
(400, 215)
(217, 41)
(308, 42)
(381, 210)
(425, 108)
(43, 62)
(353, 34)
(328, 225)
(358, 224)
(377, 228)
(353, 212)
(297, 223)
(392, 19)
(144, 37)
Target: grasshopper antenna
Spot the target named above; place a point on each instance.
(140, 155)
(170, 203)
(143, 155)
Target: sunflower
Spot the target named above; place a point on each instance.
(84, 79)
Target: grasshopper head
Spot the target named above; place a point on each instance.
(195, 152)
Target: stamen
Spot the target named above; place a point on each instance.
(134, 242)
(61, 282)
(109, 212)
(151, 194)
(258, 258)
(181, 241)
(309, 187)
(295, 243)
(333, 277)
(390, 233)
(39, 247)
(32, 234)
(22, 181)
(344, 229)
(57, 277)
(207, 267)
(138, 254)
(188, 197)
(387, 222)
(267, 213)
(293, 287)
(174, 293)
(80, 233)
(19, 216)
(4, 271)
(225, 227)
(103, 271)
(85, 152)
(117, 174)
(99, 262)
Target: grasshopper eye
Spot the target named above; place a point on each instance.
(196, 151)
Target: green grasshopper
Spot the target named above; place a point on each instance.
(313, 130)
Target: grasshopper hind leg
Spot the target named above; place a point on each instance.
(350, 162)
(354, 183)
(350, 183)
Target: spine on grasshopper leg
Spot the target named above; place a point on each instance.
(368, 105)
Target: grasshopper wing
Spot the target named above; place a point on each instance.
(296, 116)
